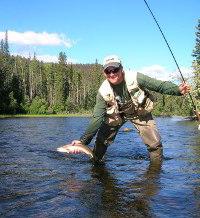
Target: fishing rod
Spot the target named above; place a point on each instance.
(193, 104)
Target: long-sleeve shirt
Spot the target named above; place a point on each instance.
(120, 90)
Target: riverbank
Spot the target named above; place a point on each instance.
(76, 115)
(44, 115)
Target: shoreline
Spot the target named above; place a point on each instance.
(2, 116)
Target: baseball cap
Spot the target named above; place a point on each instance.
(111, 61)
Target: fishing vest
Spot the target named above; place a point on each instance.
(141, 99)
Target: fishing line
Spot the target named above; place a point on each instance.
(194, 106)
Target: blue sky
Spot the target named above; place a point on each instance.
(89, 30)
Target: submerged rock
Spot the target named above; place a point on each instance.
(127, 129)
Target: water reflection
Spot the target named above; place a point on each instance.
(104, 196)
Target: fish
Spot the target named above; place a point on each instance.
(75, 149)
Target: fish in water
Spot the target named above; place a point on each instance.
(76, 148)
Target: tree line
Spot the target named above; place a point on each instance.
(30, 86)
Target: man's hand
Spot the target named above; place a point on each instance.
(184, 88)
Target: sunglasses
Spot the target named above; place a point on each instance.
(113, 70)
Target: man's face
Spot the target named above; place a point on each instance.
(114, 75)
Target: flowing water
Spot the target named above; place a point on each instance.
(37, 181)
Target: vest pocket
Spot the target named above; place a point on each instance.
(114, 120)
(147, 105)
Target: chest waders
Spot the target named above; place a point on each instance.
(145, 126)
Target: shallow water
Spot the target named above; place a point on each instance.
(37, 181)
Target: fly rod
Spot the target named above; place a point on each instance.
(193, 104)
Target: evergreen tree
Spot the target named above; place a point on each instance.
(50, 74)
(196, 66)
(2, 47)
(5, 77)
(61, 83)
(196, 51)
(16, 88)
(6, 46)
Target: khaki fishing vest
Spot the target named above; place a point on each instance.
(142, 100)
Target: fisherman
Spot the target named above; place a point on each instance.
(124, 96)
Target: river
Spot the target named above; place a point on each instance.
(37, 181)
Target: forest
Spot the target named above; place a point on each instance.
(30, 86)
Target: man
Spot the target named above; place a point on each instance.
(125, 96)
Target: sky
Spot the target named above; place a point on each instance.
(89, 30)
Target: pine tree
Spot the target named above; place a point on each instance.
(6, 46)
(16, 87)
(196, 51)
(61, 83)
(196, 65)
(2, 47)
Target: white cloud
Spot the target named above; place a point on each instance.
(155, 71)
(45, 58)
(52, 58)
(186, 72)
(161, 73)
(34, 38)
